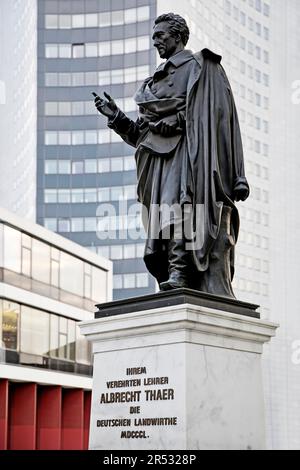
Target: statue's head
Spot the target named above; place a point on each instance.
(170, 35)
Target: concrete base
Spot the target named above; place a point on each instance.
(182, 377)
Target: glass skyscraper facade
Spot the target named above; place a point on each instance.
(87, 46)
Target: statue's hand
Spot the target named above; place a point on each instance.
(106, 107)
(241, 192)
(167, 127)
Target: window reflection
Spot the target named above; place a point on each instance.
(9, 324)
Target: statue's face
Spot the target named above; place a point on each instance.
(165, 43)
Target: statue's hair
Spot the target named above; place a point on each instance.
(177, 25)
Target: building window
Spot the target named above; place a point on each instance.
(9, 320)
(64, 225)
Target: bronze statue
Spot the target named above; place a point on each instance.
(189, 155)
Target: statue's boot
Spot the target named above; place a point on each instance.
(178, 265)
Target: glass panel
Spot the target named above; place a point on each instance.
(64, 108)
(54, 273)
(53, 336)
(117, 76)
(99, 289)
(118, 281)
(104, 77)
(117, 17)
(130, 15)
(62, 346)
(10, 319)
(64, 196)
(129, 281)
(130, 45)
(64, 79)
(90, 224)
(104, 49)
(77, 108)
(50, 196)
(64, 138)
(90, 195)
(103, 165)
(77, 195)
(87, 286)
(51, 138)
(91, 166)
(91, 78)
(104, 19)
(51, 79)
(91, 137)
(50, 167)
(103, 251)
(77, 21)
(65, 51)
(117, 47)
(140, 248)
(129, 251)
(77, 137)
(77, 167)
(77, 224)
(34, 331)
(64, 225)
(77, 51)
(143, 13)
(129, 163)
(71, 340)
(64, 167)
(12, 249)
(82, 348)
(50, 224)
(143, 43)
(78, 79)
(117, 193)
(142, 280)
(71, 274)
(51, 21)
(103, 194)
(51, 108)
(65, 21)
(116, 164)
(116, 252)
(26, 261)
(91, 20)
(91, 50)
(51, 51)
(40, 261)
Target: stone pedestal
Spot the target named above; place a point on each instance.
(178, 370)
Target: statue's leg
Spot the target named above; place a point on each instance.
(217, 278)
(178, 264)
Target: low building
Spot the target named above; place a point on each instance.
(47, 285)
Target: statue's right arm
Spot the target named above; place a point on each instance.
(128, 129)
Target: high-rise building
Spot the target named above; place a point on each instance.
(47, 285)
(18, 110)
(87, 46)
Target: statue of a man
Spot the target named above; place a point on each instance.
(189, 156)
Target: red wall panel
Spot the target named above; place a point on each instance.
(72, 419)
(49, 402)
(22, 416)
(3, 413)
(86, 426)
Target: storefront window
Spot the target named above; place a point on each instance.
(12, 249)
(40, 261)
(34, 331)
(9, 324)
